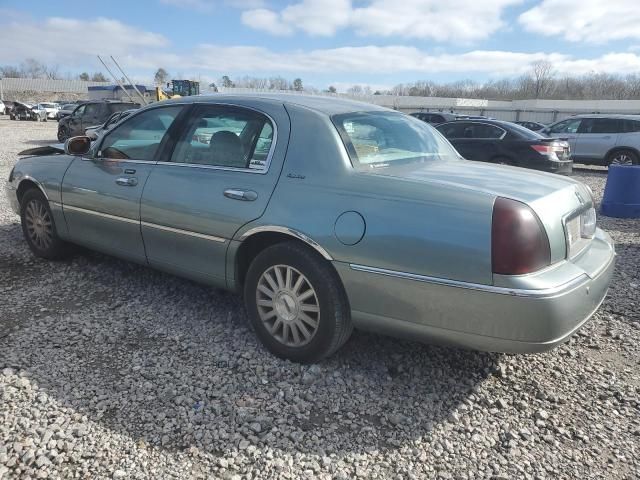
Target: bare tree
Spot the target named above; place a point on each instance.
(226, 82)
(98, 77)
(161, 76)
(542, 73)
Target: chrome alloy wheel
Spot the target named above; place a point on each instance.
(621, 159)
(39, 224)
(288, 305)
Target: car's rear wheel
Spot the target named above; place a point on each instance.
(623, 157)
(296, 303)
(63, 134)
(39, 227)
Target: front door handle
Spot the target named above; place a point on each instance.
(236, 194)
(127, 181)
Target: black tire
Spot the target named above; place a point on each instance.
(623, 157)
(333, 319)
(39, 228)
(63, 134)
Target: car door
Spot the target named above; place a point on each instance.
(75, 121)
(101, 192)
(91, 116)
(566, 129)
(596, 136)
(455, 133)
(476, 140)
(220, 177)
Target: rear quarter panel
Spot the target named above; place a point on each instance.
(415, 227)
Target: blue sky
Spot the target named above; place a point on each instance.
(329, 42)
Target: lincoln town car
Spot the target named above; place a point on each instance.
(326, 215)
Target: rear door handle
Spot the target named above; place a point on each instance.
(127, 181)
(236, 194)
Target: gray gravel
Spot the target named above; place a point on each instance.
(112, 370)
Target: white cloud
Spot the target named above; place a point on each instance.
(141, 52)
(71, 41)
(375, 60)
(593, 21)
(316, 17)
(459, 21)
(265, 20)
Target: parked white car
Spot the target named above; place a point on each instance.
(3, 108)
(51, 109)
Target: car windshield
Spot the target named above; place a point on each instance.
(526, 133)
(380, 139)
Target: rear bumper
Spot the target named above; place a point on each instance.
(561, 168)
(489, 318)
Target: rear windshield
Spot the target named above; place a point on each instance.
(525, 133)
(380, 139)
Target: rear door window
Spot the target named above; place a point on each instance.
(631, 126)
(453, 130)
(225, 136)
(600, 125)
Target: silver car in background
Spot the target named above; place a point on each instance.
(600, 139)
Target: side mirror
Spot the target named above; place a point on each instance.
(77, 145)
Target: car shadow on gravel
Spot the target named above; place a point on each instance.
(173, 364)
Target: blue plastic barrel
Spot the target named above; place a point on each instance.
(622, 192)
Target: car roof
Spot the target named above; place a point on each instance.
(322, 104)
(602, 115)
(498, 123)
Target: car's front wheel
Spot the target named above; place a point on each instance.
(296, 303)
(39, 227)
(63, 134)
(623, 157)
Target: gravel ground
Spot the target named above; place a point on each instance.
(112, 370)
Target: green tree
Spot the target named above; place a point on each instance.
(332, 89)
(84, 76)
(297, 85)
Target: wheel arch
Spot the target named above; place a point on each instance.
(27, 183)
(619, 148)
(255, 240)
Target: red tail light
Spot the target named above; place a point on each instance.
(519, 243)
(543, 149)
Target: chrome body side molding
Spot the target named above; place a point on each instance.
(517, 292)
(184, 232)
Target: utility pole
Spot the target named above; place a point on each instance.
(129, 80)
(116, 80)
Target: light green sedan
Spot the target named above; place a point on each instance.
(327, 214)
